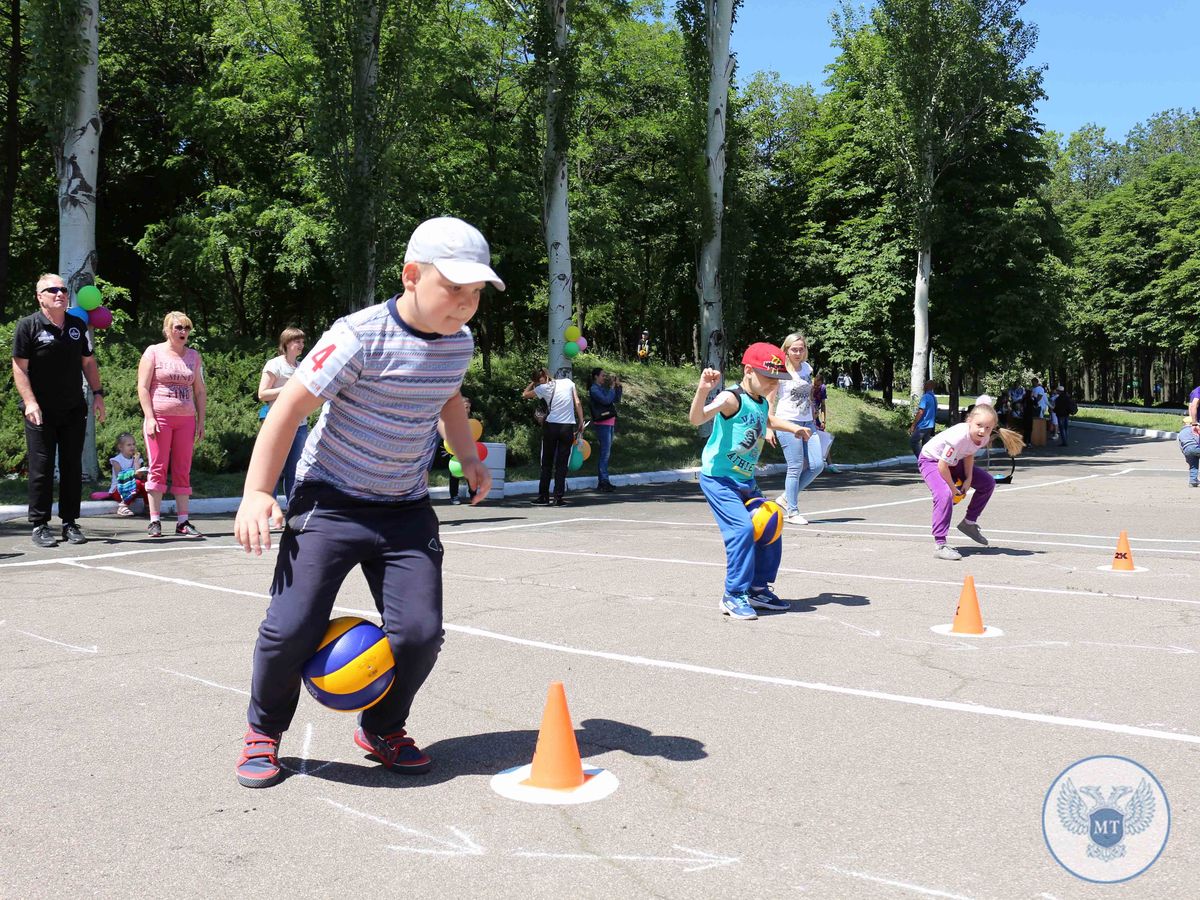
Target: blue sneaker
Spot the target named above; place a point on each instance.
(765, 598)
(737, 606)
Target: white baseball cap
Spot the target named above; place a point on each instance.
(455, 249)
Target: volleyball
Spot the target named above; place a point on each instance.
(958, 498)
(353, 666)
(767, 516)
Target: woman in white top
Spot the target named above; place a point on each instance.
(275, 375)
(794, 402)
(564, 422)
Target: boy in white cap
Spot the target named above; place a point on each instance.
(385, 375)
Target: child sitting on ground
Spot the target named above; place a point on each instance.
(128, 475)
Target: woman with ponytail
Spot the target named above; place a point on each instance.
(947, 464)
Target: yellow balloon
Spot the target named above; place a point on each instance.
(476, 429)
(446, 444)
(572, 333)
(585, 448)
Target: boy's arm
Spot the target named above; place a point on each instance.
(724, 402)
(258, 509)
(453, 422)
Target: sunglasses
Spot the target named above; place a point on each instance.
(182, 327)
(54, 290)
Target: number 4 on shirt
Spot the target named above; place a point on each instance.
(318, 358)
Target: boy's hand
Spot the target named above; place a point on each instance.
(479, 478)
(804, 433)
(769, 437)
(709, 379)
(255, 516)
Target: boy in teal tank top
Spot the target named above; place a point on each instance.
(740, 420)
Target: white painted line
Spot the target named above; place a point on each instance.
(304, 749)
(847, 575)
(91, 649)
(696, 861)
(223, 687)
(182, 582)
(930, 703)
(925, 527)
(915, 888)
(54, 561)
(464, 846)
(814, 526)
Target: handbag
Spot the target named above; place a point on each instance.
(543, 408)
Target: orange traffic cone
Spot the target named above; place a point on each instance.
(967, 619)
(556, 761)
(1123, 557)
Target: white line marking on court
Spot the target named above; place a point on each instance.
(697, 861)
(916, 888)
(955, 706)
(925, 528)
(464, 846)
(1173, 648)
(1041, 718)
(223, 687)
(183, 582)
(849, 575)
(91, 649)
(305, 748)
(816, 527)
(53, 561)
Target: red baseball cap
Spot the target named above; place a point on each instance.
(766, 359)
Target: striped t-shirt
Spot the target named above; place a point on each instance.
(384, 386)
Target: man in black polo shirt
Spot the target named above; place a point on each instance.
(50, 348)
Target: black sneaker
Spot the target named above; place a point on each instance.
(72, 534)
(559, 501)
(154, 529)
(540, 501)
(44, 537)
(187, 529)
(606, 488)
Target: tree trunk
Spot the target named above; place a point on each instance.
(12, 148)
(555, 212)
(719, 22)
(1146, 376)
(362, 191)
(889, 378)
(954, 388)
(920, 360)
(76, 159)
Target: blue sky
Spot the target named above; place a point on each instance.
(1112, 62)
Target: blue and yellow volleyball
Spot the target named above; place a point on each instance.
(353, 666)
(767, 517)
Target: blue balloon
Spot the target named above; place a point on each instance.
(79, 312)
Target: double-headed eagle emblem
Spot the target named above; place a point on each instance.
(1106, 821)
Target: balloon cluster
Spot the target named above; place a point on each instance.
(581, 451)
(576, 343)
(456, 468)
(89, 309)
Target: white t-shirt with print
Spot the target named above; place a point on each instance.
(560, 395)
(279, 369)
(795, 396)
(952, 445)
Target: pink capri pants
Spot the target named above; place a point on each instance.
(171, 448)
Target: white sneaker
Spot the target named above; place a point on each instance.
(781, 500)
(945, 551)
(796, 519)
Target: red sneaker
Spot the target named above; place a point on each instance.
(397, 752)
(258, 766)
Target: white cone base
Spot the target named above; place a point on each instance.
(599, 784)
(1109, 568)
(989, 631)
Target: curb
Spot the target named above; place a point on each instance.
(1125, 429)
(215, 505)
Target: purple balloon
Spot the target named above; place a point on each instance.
(582, 342)
(100, 317)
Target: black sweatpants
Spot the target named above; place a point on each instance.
(327, 535)
(557, 440)
(62, 431)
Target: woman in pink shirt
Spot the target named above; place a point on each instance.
(172, 393)
(949, 457)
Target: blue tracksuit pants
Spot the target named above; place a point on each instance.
(747, 565)
(327, 535)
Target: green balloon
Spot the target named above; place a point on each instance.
(89, 297)
(456, 468)
(571, 349)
